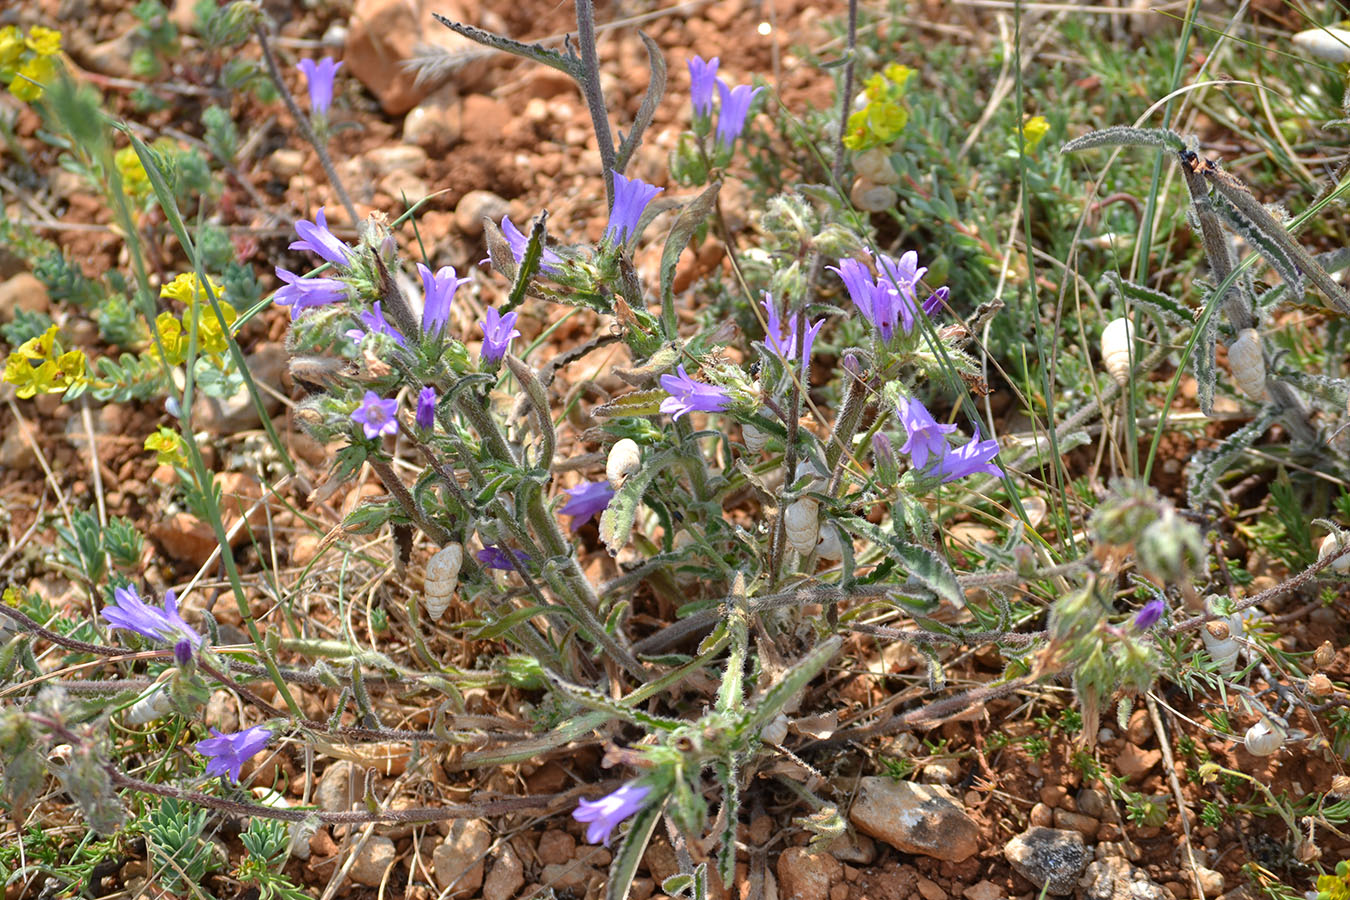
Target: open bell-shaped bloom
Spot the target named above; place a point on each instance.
(439, 288)
(631, 196)
(317, 238)
(731, 115)
(319, 76)
(688, 395)
(163, 623)
(376, 415)
(926, 437)
(586, 501)
(604, 815)
(303, 293)
(227, 753)
(498, 331)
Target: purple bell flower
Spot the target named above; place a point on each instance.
(163, 624)
(377, 416)
(605, 814)
(375, 323)
(688, 395)
(319, 76)
(304, 293)
(731, 116)
(227, 753)
(494, 557)
(702, 77)
(498, 330)
(439, 288)
(1150, 613)
(426, 408)
(587, 500)
(926, 436)
(631, 197)
(316, 238)
(969, 459)
(784, 344)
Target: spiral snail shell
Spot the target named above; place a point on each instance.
(624, 459)
(875, 166)
(872, 197)
(442, 575)
(1331, 545)
(829, 547)
(802, 521)
(1248, 364)
(1116, 340)
(154, 704)
(755, 440)
(1263, 738)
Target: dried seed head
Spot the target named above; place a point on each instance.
(1320, 685)
(1307, 851)
(1324, 655)
(1217, 630)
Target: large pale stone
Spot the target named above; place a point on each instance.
(915, 818)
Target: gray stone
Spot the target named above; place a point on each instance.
(506, 877)
(335, 792)
(1049, 858)
(804, 875)
(915, 818)
(1092, 802)
(437, 122)
(458, 861)
(373, 860)
(1113, 878)
(474, 206)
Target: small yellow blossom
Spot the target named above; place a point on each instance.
(168, 447)
(1034, 130)
(173, 338)
(44, 41)
(212, 332)
(187, 289)
(38, 367)
(33, 77)
(11, 51)
(39, 347)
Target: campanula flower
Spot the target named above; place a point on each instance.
(319, 76)
(631, 197)
(498, 330)
(426, 408)
(377, 416)
(936, 301)
(549, 261)
(883, 457)
(784, 344)
(227, 753)
(688, 395)
(316, 238)
(888, 300)
(303, 293)
(898, 277)
(439, 287)
(702, 77)
(375, 323)
(588, 500)
(605, 814)
(494, 557)
(969, 459)
(1150, 613)
(130, 613)
(862, 290)
(926, 436)
(731, 115)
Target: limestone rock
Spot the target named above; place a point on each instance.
(915, 818)
(23, 291)
(804, 875)
(506, 877)
(458, 861)
(334, 792)
(384, 34)
(1135, 763)
(1049, 858)
(373, 860)
(437, 122)
(474, 206)
(1113, 878)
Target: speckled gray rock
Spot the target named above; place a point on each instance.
(1113, 878)
(1049, 858)
(915, 818)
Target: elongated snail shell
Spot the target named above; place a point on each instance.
(872, 197)
(1263, 739)
(829, 547)
(1116, 340)
(802, 521)
(753, 437)
(1248, 364)
(154, 704)
(775, 732)
(1225, 646)
(1325, 43)
(442, 575)
(1330, 545)
(875, 166)
(624, 459)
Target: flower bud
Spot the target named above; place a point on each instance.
(1171, 550)
(1340, 785)
(686, 163)
(1324, 655)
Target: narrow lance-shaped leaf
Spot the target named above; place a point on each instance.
(602, 703)
(1204, 365)
(923, 564)
(656, 89)
(537, 52)
(691, 217)
(1163, 306)
(616, 522)
(1263, 240)
(1207, 465)
(729, 775)
(793, 683)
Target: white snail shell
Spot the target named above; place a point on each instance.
(829, 547)
(442, 575)
(872, 197)
(1330, 546)
(154, 704)
(875, 166)
(1263, 739)
(804, 468)
(1116, 340)
(1248, 364)
(1224, 650)
(776, 731)
(1325, 43)
(624, 459)
(753, 437)
(802, 521)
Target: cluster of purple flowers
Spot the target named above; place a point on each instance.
(735, 102)
(928, 448)
(783, 344)
(888, 301)
(688, 395)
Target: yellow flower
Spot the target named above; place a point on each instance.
(173, 338)
(44, 41)
(212, 332)
(39, 347)
(134, 180)
(33, 370)
(1034, 131)
(899, 75)
(11, 51)
(33, 77)
(187, 290)
(168, 447)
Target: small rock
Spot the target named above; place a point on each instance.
(485, 119)
(373, 860)
(506, 877)
(804, 875)
(1140, 728)
(285, 163)
(1113, 878)
(383, 34)
(1092, 802)
(437, 122)
(1053, 795)
(220, 417)
(16, 449)
(941, 771)
(23, 291)
(185, 538)
(222, 712)
(458, 860)
(1072, 821)
(915, 818)
(1048, 857)
(556, 846)
(395, 158)
(334, 792)
(112, 57)
(474, 207)
(573, 876)
(854, 848)
(1041, 816)
(984, 890)
(1211, 882)
(1134, 763)
(930, 890)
